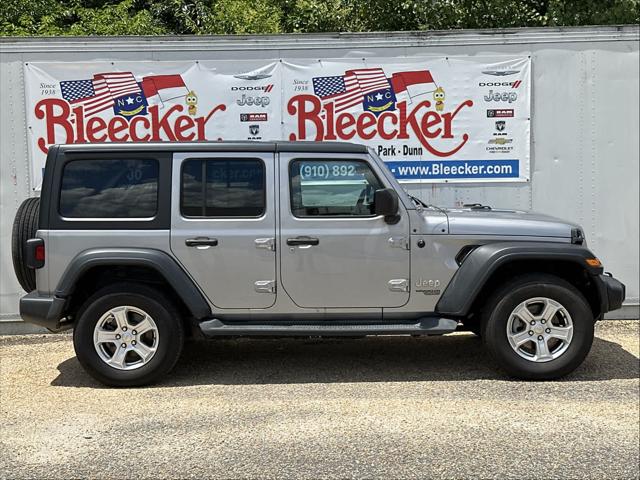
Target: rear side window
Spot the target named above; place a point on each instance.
(223, 188)
(109, 189)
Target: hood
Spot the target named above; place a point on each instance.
(467, 221)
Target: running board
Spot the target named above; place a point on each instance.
(424, 326)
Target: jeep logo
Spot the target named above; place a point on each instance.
(500, 96)
(259, 101)
(423, 283)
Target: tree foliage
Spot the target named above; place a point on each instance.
(157, 17)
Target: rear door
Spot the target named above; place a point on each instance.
(335, 252)
(223, 225)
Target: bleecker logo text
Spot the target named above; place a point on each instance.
(425, 124)
(155, 128)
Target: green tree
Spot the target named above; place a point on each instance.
(593, 12)
(48, 17)
(243, 17)
(179, 16)
(311, 16)
(22, 17)
(156, 17)
(450, 14)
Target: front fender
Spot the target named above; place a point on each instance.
(479, 265)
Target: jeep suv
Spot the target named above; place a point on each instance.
(137, 246)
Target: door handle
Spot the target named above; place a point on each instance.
(201, 242)
(297, 241)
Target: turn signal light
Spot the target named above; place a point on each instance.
(593, 262)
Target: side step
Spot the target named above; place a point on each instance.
(424, 326)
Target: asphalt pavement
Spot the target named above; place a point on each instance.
(385, 407)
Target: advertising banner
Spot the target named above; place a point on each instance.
(453, 119)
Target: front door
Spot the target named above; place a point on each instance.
(335, 252)
(223, 225)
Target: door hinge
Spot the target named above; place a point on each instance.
(266, 243)
(399, 242)
(265, 286)
(399, 285)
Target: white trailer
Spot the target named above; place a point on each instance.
(583, 155)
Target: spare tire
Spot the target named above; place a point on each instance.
(25, 226)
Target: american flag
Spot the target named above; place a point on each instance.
(98, 94)
(119, 83)
(348, 90)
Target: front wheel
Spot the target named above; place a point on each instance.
(128, 335)
(538, 327)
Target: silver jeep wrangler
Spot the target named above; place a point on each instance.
(137, 246)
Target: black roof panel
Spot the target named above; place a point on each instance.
(225, 146)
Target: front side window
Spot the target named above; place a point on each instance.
(223, 188)
(102, 188)
(332, 188)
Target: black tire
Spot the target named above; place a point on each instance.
(25, 225)
(151, 301)
(499, 308)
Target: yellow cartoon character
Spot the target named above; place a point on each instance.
(438, 96)
(192, 102)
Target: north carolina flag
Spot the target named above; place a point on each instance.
(163, 87)
(414, 83)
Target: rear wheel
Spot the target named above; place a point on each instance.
(538, 327)
(128, 335)
(25, 225)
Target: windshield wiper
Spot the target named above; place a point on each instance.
(426, 205)
(418, 201)
(441, 210)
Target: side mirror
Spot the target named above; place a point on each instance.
(385, 203)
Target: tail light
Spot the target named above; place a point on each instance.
(35, 253)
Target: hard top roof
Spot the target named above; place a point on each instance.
(222, 146)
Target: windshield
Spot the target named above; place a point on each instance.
(391, 177)
(399, 187)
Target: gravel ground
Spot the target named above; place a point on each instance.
(378, 407)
